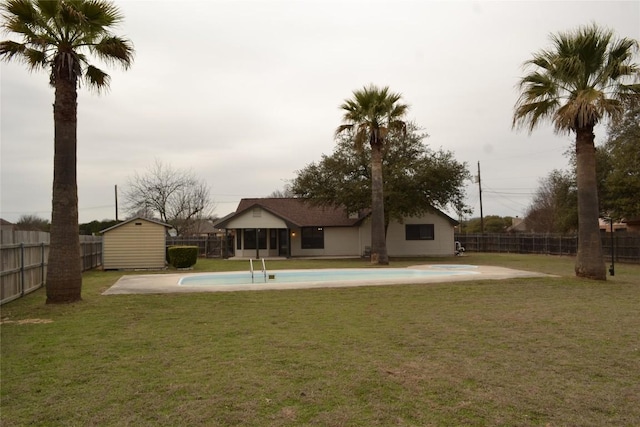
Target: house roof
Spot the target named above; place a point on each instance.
(296, 212)
(201, 226)
(138, 218)
(452, 221)
(632, 221)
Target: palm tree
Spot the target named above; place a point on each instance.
(57, 35)
(583, 80)
(371, 115)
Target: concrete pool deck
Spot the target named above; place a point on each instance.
(168, 283)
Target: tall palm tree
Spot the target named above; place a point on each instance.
(583, 80)
(57, 35)
(371, 115)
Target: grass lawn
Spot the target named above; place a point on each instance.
(528, 352)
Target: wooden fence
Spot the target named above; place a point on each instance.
(626, 247)
(23, 261)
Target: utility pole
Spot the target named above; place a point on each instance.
(116, 190)
(480, 190)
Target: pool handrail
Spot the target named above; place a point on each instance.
(251, 270)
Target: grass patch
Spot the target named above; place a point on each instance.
(541, 351)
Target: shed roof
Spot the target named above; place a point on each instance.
(296, 212)
(138, 218)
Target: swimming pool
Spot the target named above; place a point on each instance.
(200, 282)
(377, 275)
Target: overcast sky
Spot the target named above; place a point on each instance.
(245, 93)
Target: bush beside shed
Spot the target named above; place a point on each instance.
(138, 243)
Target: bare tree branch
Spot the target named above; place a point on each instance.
(175, 196)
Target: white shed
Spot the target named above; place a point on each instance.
(138, 243)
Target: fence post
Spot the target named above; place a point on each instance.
(42, 275)
(546, 243)
(21, 269)
(561, 239)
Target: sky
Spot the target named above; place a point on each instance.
(246, 93)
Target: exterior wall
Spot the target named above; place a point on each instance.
(134, 246)
(250, 220)
(353, 241)
(442, 245)
(338, 241)
(365, 236)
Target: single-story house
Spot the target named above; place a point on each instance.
(293, 227)
(138, 243)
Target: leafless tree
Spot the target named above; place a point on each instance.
(282, 194)
(177, 196)
(554, 208)
(33, 223)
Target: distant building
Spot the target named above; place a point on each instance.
(518, 225)
(202, 227)
(605, 225)
(6, 225)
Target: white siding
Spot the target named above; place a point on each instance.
(338, 241)
(133, 246)
(248, 220)
(442, 245)
(342, 241)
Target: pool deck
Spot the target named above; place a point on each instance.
(168, 283)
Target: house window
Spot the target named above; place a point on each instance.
(250, 238)
(239, 240)
(419, 231)
(312, 237)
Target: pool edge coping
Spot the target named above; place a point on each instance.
(168, 283)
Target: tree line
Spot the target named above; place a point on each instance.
(554, 208)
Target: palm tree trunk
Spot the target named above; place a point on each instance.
(378, 241)
(64, 273)
(589, 261)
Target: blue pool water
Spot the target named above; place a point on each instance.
(318, 276)
(454, 266)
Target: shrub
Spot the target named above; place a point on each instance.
(183, 256)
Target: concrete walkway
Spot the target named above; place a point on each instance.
(168, 283)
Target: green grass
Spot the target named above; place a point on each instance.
(544, 351)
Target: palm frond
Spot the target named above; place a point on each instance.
(21, 10)
(532, 113)
(343, 128)
(59, 34)
(49, 9)
(9, 49)
(114, 50)
(373, 112)
(97, 79)
(578, 82)
(36, 58)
